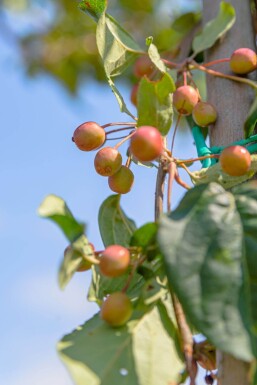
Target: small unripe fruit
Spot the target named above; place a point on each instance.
(121, 182)
(146, 144)
(235, 160)
(85, 264)
(143, 66)
(133, 95)
(116, 309)
(204, 114)
(243, 61)
(184, 99)
(108, 161)
(89, 136)
(114, 261)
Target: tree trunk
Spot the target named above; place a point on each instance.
(233, 101)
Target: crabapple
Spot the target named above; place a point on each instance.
(146, 144)
(243, 61)
(89, 136)
(121, 182)
(114, 261)
(108, 161)
(204, 114)
(184, 99)
(235, 160)
(143, 66)
(85, 264)
(116, 310)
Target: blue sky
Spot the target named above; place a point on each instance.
(37, 157)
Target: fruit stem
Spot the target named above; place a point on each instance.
(118, 124)
(185, 78)
(181, 182)
(119, 129)
(124, 140)
(221, 75)
(211, 63)
(171, 64)
(131, 274)
(174, 133)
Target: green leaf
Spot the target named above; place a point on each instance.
(120, 100)
(156, 58)
(55, 209)
(215, 28)
(246, 202)
(95, 8)
(154, 103)
(140, 353)
(116, 47)
(101, 286)
(251, 119)
(184, 23)
(74, 255)
(202, 246)
(115, 227)
(145, 238)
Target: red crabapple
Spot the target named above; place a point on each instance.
(235, 160)
(204, 114)
(184, 99)
(108, 161)
(243, 61)
(89, 136)
(117, 309)
(146, 144)
(121, 182)
(114, 261)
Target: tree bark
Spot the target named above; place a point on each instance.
(232, 101)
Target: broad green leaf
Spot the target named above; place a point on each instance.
(120, 100)
(95, 8)
(156, 58)
(246, 202)
(155, 103)
(145, 238)
(184, 23)
(202, 246)
(74, 255)
(140, 353)
(215, 28)
(101, 286)
(55, 209)
(116, 47)
(251, 119)
(115, 227)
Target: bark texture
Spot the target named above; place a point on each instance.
(233, 101)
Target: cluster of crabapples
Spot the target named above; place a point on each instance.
(146, 144)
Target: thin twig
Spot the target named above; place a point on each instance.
(186, 337)
(221, 75)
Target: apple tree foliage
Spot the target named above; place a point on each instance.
(202, 254)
